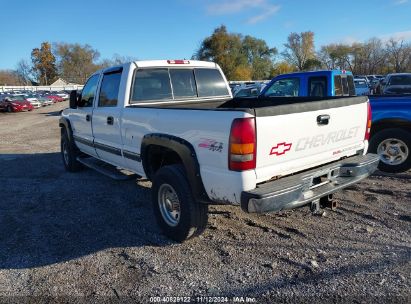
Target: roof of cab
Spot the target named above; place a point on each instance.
(174, 63)
(320, 72)
(160, 63)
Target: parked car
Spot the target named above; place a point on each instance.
(55, 98)
(396, 84)
(14, 103)
(252, 90)
(391, 131)
(315, 84)
(63, 95)
(33, 100)
(176, 123)
(44, 100)
(374, 84)
(374, 77)
(361, 87)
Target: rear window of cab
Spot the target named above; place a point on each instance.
(344, 85)
(169, 84)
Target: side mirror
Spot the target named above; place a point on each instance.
(74, 98)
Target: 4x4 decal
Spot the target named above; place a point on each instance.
(211, 144)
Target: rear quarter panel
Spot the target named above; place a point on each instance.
(390, 107)
(208, 132)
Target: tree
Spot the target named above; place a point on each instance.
(23, 72)
(8, 77)
(242, 73)
(282, 67)
(335, 56)
(44, 64)
(241, 58)
(259, 56)
(225, 49)
(299, 48)
(76, 62)
(116, 60)
(376, 55)
(367, 57)
(399, 55)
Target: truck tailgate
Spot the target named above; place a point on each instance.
(291, 139)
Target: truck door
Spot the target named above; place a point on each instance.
(80, 118)
(106, 119)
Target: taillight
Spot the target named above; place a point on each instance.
(243, 145)
(368, 126)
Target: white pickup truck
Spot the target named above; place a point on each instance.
(175, 122)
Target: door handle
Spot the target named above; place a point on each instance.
(110, 120)
(323, 119)
(88, 117)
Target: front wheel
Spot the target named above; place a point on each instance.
(69, 153)
(9, 109)
(179, 216)
(394, 148)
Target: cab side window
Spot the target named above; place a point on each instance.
(289, 87)
(109, 89)
(317, 86)
(89, 91)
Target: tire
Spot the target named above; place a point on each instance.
(190, 217)
(69, 153)
(394, 147)
(9, 109)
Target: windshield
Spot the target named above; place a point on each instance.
(400, 80)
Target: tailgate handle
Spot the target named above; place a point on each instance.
(323, 119)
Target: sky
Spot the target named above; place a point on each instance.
(156, 29)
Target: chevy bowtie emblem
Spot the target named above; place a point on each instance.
(280, 149)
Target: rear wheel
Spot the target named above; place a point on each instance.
(9, 109)
(394, 148)
(69, 153)
(179, 216)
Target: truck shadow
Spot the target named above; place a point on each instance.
(48, 215)
(53, 113)
(278, 290)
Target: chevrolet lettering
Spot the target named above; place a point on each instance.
(330, 138)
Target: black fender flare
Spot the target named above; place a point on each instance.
(65, 123)
(188, 156)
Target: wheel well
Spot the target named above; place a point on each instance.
(159, 156)
(390, 124)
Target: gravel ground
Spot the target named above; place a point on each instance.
(84, 237)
